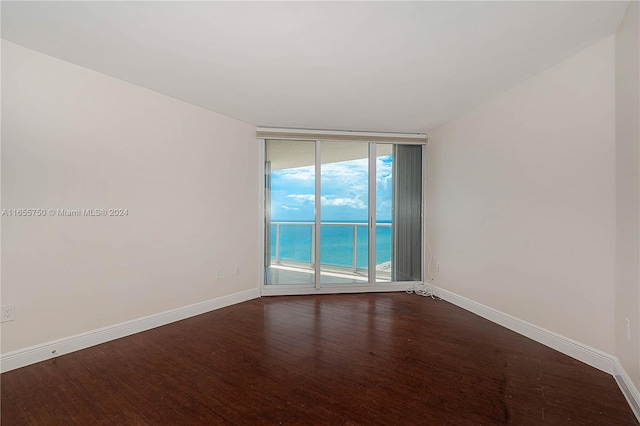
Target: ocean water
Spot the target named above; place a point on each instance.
(336, 244)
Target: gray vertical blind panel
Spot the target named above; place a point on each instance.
(407, 213)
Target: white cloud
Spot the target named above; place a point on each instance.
(355, 203)
(302, 197)
(330, 200)
(289, 208)
(349, 170)
(384, 171)
(301, 173)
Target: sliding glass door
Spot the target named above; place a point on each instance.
(342, 214)
(384, 212)
(290, 186)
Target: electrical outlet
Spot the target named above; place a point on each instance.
(8, 313)
(220, 274)
(437, 267)
(628, 327)
(237, 272)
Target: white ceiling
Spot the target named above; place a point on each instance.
(386, 66)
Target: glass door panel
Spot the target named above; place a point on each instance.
(290, 212)
(384, 210)
(344, 213)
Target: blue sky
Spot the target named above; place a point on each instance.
(344, 191)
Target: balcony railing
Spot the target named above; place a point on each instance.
(307, 238)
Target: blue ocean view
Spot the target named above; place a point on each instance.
(336, 243)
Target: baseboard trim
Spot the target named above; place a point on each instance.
(581, 352)
(628, 389)
(31, 355)
(590, 356)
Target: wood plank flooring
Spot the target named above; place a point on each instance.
(370, 359)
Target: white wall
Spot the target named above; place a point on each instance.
(73, 138)
(521, 200)
(627, 302)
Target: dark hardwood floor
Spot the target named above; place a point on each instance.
(388, 359)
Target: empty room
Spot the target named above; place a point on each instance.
(320, 213)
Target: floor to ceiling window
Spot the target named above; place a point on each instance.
(344, 212)
(290, 212)
(342, 215)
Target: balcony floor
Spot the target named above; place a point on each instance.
(298, 274)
